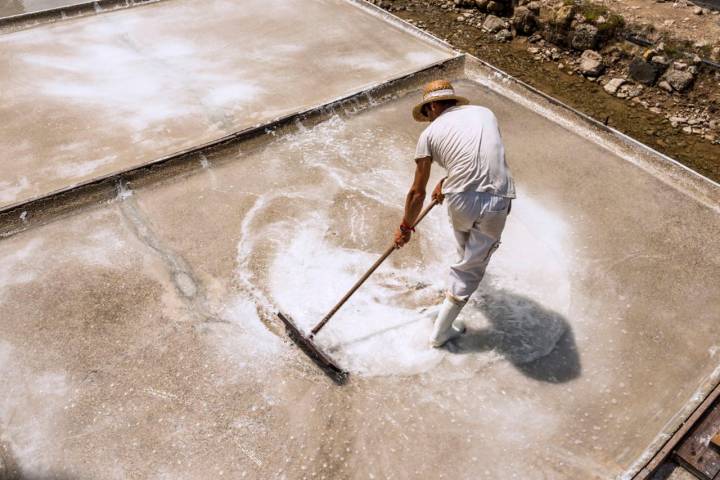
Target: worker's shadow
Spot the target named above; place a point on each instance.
(538, 341)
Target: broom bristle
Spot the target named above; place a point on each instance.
(326, 364)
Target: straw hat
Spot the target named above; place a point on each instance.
(434, 92)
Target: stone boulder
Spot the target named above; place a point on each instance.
(644, 72)
(665, 86)
(496, 6)
(504, 35)
(591, 63)
(524, 21)
(585, 37)
(629, 91)
(493, 24)
(534, 7)
(660, 61)
(564, 15)
(679, 80)
(613, 85)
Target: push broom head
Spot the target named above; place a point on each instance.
(326, 364)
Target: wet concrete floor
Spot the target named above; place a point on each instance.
(145, 327)
(91, 96)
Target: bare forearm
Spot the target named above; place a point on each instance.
(413, 205)
(414, 201)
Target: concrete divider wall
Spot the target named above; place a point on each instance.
(13, 19)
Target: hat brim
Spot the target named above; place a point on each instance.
(417, 111)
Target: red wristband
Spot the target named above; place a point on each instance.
(405, 228)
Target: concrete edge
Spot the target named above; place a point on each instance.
(403, 25)
(674, 430)
(24, 21)
(659, 165)
(17, 217)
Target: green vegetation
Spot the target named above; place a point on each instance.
(592, 11)
(614, 23)
(676, 49)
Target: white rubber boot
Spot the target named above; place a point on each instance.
(446, 328)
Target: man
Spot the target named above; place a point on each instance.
(464, 140)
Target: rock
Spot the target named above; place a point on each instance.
(534, 38)
(585, 37)
(591, 63)
(494, 7)
(630, 91)
(687, 130)
(524, 21)
(655, 110)
(665, 86)
(660, 61)
(698, 11)
(679, 65)
(534, 7)
(564, 15)
(644, 72)
(533, 50)
(613, 85)
(679, 80)
(465, 3)
(675, 119)
(504, 35)
(493, 24)
(481, 5)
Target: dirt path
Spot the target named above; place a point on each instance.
(650, 128)
(677, 18)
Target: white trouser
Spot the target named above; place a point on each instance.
(478, 219)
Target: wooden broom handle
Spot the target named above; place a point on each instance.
(374, 267)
